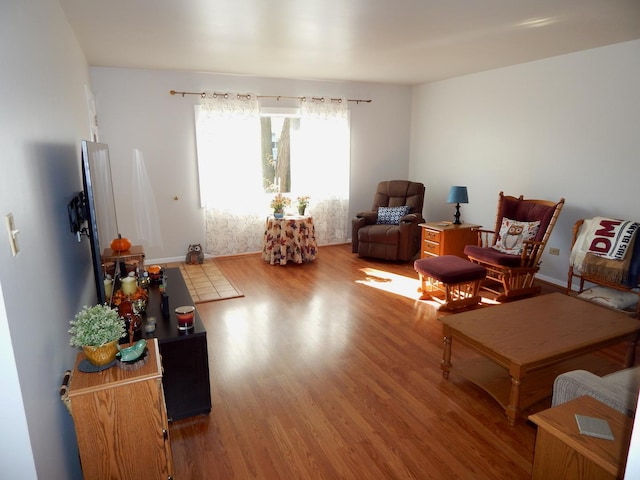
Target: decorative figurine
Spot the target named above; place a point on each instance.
(133, 352)
(195, 255)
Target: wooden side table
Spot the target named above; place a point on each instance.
(561, 451)
(442, 238)
(135, 255)
(120, 420)
(289, 239)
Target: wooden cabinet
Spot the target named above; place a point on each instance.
(134, 254)
(185, 358)
(121, 421)
(561, 451)
(130, 260)
(439, 238)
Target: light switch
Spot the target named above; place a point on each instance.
(13, 234)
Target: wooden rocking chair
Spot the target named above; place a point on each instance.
(515, 271)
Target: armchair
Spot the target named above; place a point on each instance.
(512, 252)
(395, 234)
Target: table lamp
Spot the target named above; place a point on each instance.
(458, 195)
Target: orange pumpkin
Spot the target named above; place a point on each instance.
(120, 244)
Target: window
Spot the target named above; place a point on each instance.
(276, 126)
(245, 156)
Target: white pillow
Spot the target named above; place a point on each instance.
(610, 297)
(513, 234)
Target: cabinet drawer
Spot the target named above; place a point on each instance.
(431, 248)
(431, 235)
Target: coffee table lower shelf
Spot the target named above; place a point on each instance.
(536, 386)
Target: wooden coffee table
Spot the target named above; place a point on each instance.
(537, 338)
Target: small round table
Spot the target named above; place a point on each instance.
(291, 238)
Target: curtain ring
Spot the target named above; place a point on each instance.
(203, 95)
(226, 95)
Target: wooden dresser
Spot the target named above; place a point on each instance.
(121, 421)
(440, 238)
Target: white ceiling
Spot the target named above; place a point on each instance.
(388, 41)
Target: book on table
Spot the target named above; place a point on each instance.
(594, 427)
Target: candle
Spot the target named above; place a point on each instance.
(185, 315)
(129, 285)
(108, 287)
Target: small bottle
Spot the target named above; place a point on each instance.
(144, 281)
(164, 304)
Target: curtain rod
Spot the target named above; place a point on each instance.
(278, 97)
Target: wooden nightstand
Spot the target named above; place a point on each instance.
(563, 452)
(132, 258)
(135, 254)
(120, 420)
(440, 238)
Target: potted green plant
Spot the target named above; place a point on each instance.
(303, 202)
(97, 330)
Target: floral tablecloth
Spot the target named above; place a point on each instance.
(289, 239)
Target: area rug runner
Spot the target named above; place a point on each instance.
(207, 283)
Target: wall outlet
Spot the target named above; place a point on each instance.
(554, 251)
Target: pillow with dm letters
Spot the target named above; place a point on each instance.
(391, 215)
(513, 234)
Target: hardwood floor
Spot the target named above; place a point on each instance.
(331, 370)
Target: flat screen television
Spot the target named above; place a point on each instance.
(100, 206)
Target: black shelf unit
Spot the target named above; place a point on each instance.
(185, 358)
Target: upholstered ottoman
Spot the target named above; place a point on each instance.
(451, 280)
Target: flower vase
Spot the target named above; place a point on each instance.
(102, 355)
(278, 213)
(301, 209)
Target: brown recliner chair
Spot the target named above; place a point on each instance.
(395, 234)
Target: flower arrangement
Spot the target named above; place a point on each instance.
(303, 201)
(279, 202)
(95, 326)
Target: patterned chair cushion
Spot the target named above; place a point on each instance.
(609, 297)
(513, 234)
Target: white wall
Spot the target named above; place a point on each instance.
(135, 110)
(632, 468)
(16, 461)
(43, 118)
(561, 127)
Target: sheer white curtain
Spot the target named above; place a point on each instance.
(145, 215)
(228, 148)
(230, 170)
(320, 166)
